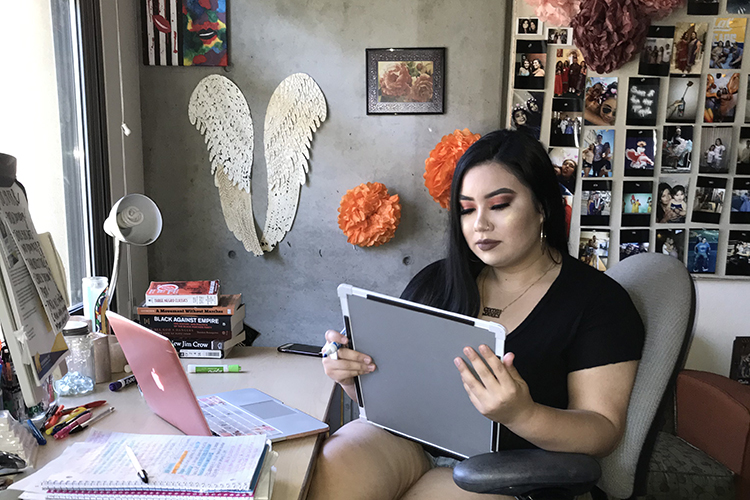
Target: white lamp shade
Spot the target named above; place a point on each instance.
(134, 219)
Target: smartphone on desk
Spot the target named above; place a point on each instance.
(304, 349)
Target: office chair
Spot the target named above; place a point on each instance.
(662, 290)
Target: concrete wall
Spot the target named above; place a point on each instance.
(290, 294)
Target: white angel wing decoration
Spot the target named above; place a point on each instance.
(219, 110)
(296, 109)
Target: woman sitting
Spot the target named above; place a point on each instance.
(572, 348)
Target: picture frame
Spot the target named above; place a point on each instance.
(405, 80)
(739, 368)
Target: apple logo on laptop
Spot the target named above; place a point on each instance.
(156, 378)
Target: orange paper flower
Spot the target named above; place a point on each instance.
(368, 216)
(440, 165)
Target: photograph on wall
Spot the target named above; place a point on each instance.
(671, 242)
(677, 149)
(687, 50)
(643, 101)
(738, 6)
(566, 122)
(633, 242)
(738, 254)
(739, 368)
(672, 199)
(531, 64)
(683, 98)
(702, 7)
(527, 111)
(637, 202)
(747, 103)
(185, 33)
(657, 51)
(728, 43)
(743, 152)
(709, 199)
(716, 145)
(596, 156)
(565, 162)
(559, 36)
(528, 26)
(570, 73)
(593, 248)
(640, 152)
(405, 81)
(740, 209)
(702, 247)
(721, 97)
(600, 102)
(596, 201)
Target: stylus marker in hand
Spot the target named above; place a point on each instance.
(330, 350)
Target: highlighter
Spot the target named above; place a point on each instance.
(213, 368)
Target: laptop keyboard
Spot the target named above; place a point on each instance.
(227, 420)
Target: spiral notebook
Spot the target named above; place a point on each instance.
(177, 466)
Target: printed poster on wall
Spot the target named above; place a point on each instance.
(185, 32)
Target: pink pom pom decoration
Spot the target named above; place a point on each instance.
(659, 9)
(610, 32)
(555, 12)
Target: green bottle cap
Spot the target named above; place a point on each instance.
(234, 368)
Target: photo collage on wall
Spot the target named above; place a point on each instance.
(659, 182)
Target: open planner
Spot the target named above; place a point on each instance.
(187, 467)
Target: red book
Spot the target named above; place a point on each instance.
(183, 293)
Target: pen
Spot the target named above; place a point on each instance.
(36, 432)
(87, 406)
(213, 368)
(48, 414)
(83, 417)
(63, 422)
(54, 418)
(138, 469)
(123, 382)
(84, 426)
(330, 349)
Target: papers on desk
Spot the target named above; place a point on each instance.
(190, 467)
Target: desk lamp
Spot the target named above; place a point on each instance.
(136, 220)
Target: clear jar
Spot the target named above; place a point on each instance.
(80, 360)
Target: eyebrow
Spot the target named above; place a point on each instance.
(489, 195)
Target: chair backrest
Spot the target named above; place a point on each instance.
(662, 290)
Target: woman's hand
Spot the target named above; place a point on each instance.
(501, 394)
(349, 364)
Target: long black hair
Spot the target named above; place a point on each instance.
(450, 284)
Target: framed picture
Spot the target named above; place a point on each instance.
(405, 81)
(739, 370)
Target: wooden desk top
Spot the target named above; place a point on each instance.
(298, 381)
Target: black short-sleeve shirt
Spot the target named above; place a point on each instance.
(586, 319)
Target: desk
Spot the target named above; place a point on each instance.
(298, 381)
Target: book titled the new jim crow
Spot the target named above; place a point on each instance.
(183, 293)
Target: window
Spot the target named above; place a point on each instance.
(53, 123)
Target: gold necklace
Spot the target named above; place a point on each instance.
(493, 312)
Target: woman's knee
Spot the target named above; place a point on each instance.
(363, 461)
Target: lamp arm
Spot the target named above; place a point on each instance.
(115, 269)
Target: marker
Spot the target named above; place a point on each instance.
(37, 434)
(213, 368)
(85, 425)
(138, 469)
(123, 382)
(87, 406)
(69, 418)
(83, 417)
(54, 418)
(331, 349)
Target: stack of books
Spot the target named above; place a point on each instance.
(201, 324)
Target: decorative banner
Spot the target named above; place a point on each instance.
(296, 109)
(185, 32)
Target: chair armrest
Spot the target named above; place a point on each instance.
(713, 414)
(521, 472)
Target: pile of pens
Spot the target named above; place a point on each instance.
(61, 421)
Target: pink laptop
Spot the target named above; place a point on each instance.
(167, 391)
